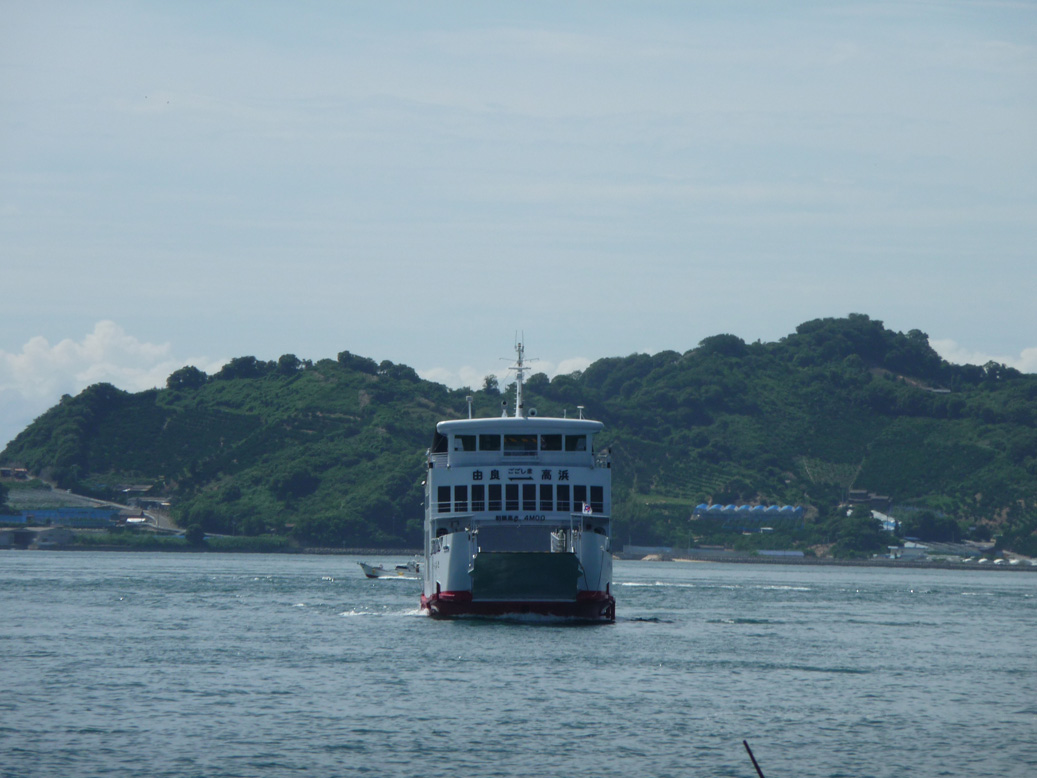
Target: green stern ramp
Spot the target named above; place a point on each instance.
(524, 575)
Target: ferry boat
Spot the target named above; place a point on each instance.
(518, 516)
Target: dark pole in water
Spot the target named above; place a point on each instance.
(759, 772)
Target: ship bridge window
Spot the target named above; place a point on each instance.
(464, 442)
(511, 497)
(529, 497)
(489, 442)
(439, 443)
(579, 497)
(520, 444)
(563, 498)
(546, 497)
(550, 442)
(575, 442)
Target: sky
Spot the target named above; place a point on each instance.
(184, 183)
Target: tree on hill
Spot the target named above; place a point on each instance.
(926, 525)
(858, 535)
(360, 364)
(288, 364)
(245, 367)
(188, 377)
(297, 483)
(724, 345)
(195, 536)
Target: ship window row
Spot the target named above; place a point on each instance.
(565, 498)
(523, 443)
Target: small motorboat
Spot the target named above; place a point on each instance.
(410, 570)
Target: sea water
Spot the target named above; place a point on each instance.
(135, 664)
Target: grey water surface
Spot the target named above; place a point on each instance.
(136, 664)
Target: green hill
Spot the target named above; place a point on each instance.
(332, 451)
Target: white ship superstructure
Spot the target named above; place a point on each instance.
(518, 517)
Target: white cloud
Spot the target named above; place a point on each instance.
(950, 350)
(34, 379)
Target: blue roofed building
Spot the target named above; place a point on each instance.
(750, 518)
(80, 518)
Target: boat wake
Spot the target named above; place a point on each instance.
(355, 612)
(649, 620)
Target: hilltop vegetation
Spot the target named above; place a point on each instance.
(331, 452)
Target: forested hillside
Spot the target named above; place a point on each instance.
(331, 452)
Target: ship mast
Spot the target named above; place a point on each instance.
(520, 369)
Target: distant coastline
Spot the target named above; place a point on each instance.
(744, 559)
(890, 563)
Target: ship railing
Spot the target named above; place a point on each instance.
(565, 540)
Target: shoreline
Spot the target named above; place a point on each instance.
(729, 560)
(890, 563)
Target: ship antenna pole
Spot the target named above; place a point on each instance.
(519, 369)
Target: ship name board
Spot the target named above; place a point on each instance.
(523, 474)
(517, 517)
